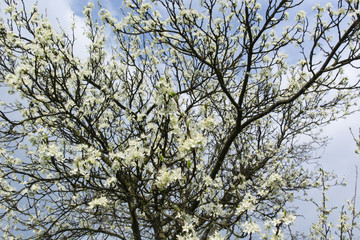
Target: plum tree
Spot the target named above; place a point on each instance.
(185, 121)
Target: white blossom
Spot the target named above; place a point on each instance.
(251, 227)
(102, 201)
(165, 177)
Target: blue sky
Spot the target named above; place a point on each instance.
(339, 156)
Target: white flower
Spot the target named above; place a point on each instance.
(289, 219)
(251, 227)
(216, 236)
(190, 143)
(300, 15)
(102, 201)
(266, 58)
(88, 9)
(248, 204)
(328, 6)
(35, 188)
(110, 180)
(165, 177)
(188, 227)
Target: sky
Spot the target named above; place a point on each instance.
(339, 156)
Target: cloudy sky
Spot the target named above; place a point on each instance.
(339, 156)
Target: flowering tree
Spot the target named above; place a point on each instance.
(194, 121)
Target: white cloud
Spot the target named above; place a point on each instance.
(61, 13)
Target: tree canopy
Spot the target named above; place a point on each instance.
(186, 120)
